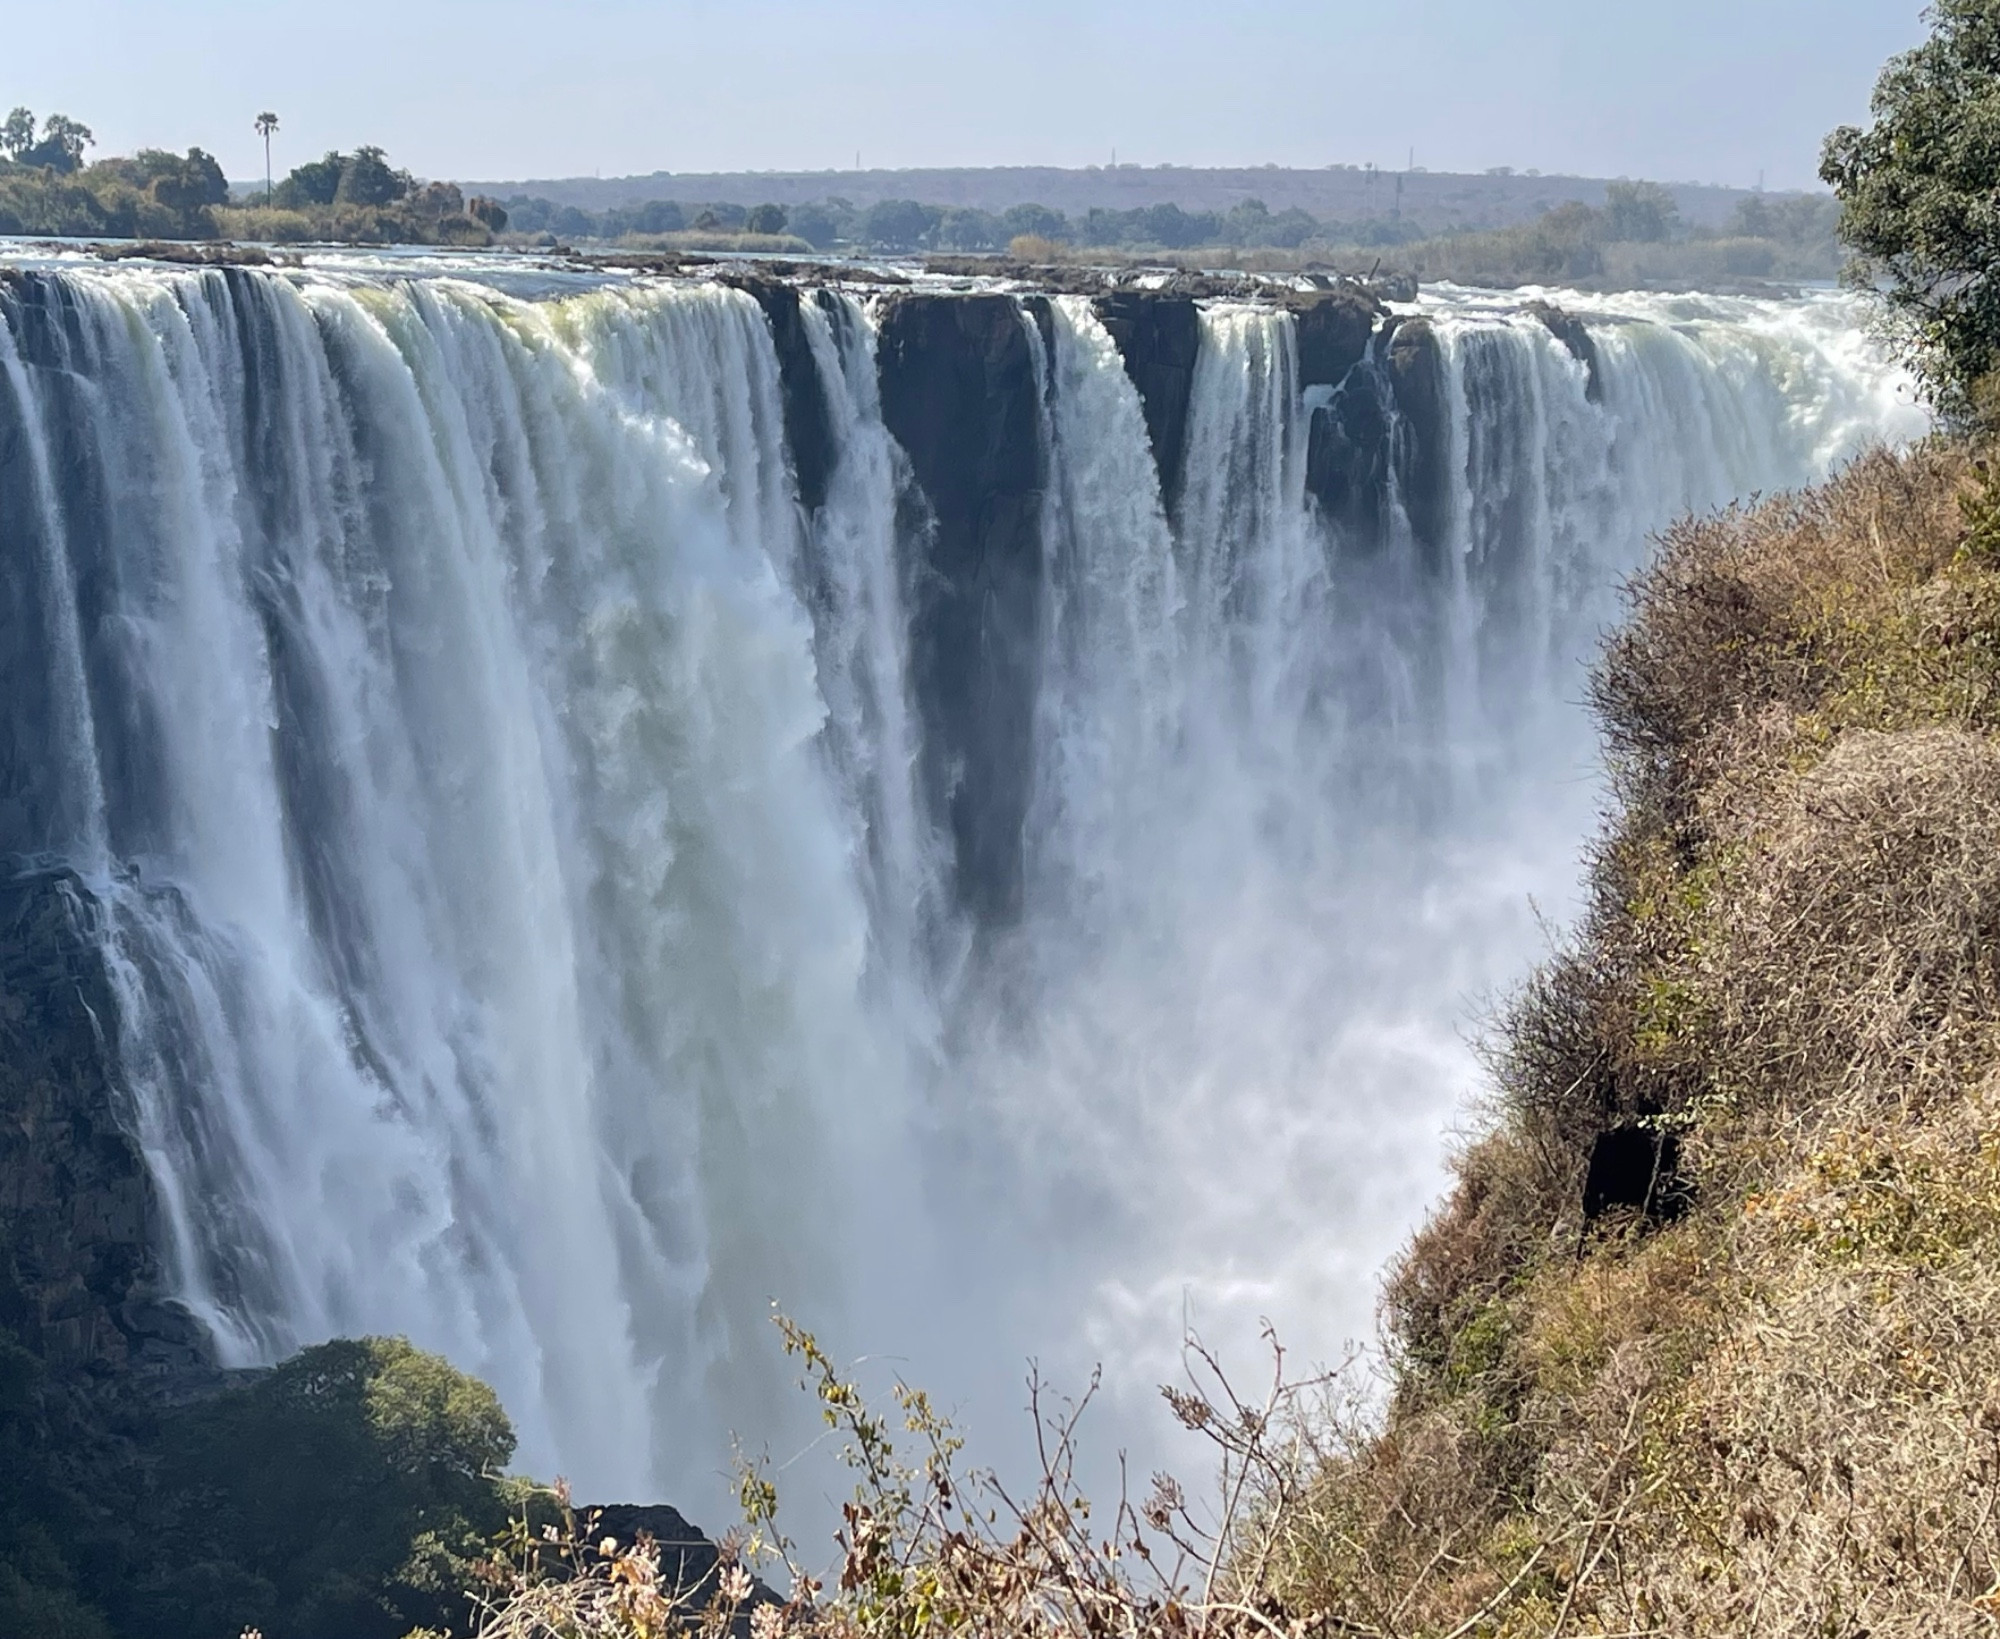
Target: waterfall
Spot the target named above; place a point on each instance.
(519, 810)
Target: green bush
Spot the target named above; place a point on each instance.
(1916, 191)
(343, 1495)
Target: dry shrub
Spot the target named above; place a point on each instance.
(1834, 1468)
(1861, 949)
(1767, 605)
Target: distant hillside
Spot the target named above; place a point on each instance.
(1431, 200)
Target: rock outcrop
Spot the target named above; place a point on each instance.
(959, 393)
(808, 425)
(1334, 330)
(1384, 428)
(1159, 338)
(1422, 444)
(1571, 331)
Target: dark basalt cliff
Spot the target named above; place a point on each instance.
(959, 393)
(808, 426)
(80, 1276)
(1421, 443)
(1333, 331)
(1159, 337)
(1385, 420)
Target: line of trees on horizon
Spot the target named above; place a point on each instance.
(362, 196)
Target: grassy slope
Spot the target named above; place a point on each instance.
(1780, 1413)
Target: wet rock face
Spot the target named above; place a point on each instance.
(1348, 457)
(1568, 329)
(1333, 333)
(808, 424)
(1385, 420)
(1422, 443)
(1159, 338)
(80, 1274)
(959, 394)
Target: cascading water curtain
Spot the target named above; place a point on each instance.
(502, 793)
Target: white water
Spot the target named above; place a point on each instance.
(531, 937)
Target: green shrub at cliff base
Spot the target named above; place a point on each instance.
(1917, 192)
(344, 1495)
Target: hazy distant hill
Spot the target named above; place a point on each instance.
(1429, 199)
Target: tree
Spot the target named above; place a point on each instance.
(899, 224)
(768, 219)
(267, 125)
(341, 1496)
(61, 147)
(368, 179)
(970, 230)
(186, 186)
(315, 182)
(17, 134)
(1037, 220)
(1917, 198)
(818, 225)
(1640, 210)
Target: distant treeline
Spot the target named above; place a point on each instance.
(1636, 236)
(907, 224)
(1792, 235)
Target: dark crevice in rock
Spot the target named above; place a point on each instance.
(959, 393)
(1348, 456)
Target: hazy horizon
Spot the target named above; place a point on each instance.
(1710, 92)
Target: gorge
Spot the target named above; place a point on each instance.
(547, 811)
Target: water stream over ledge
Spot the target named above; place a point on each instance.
(575, 877)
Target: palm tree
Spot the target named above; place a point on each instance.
(266, 124)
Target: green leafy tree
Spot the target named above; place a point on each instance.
(60, 147)
(17, 133)
(369, 179)
(1919, 203)
(820, 226)
(970, 230)
(343, 1495)
(765, 219)
(899, 224)
(313, 183)
(1642, 211)
(1037, 220)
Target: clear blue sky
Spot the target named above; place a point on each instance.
(1696, 90)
